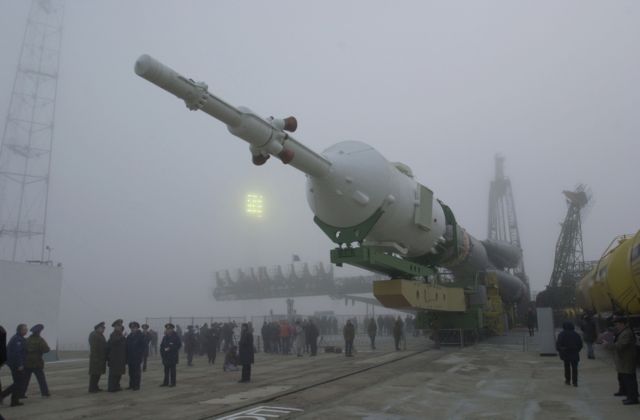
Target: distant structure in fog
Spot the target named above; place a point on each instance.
(503, 223)
(25, 153)
(569, 265)
(294, 280)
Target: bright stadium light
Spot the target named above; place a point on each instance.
(255, 205)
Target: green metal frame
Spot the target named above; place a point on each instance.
(374, 259)
(349, 235)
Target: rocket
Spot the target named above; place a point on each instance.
(350, 184)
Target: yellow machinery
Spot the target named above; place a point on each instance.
(478, 307)
(408, 294)
(614, 283)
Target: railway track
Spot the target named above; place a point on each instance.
(304, 388)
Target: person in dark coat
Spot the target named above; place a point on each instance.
(398, 331)
(136, 343)
(372, 330)
(624, 345)
(3, 355)
(589, 334)
(568, 345)
(16, 359)
(154, 341)
(312, 337)
(116, 357)
(211, 344)
(147, 339)
(169, 348)
(190, 344)
(245, 352)
(97, 357)
(36, 347)
(3, 349)
(531, 321)
(349, 334)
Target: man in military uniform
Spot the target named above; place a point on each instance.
(190, 343)
(97, 357)
(169, 348)
(135, 351)
(147, 339)
(36, 347)
(116, 357)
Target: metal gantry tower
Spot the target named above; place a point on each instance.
(569, 265)
(503, 223)
(25, 152)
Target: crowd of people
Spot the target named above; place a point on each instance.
(125, 353)
(284, 337)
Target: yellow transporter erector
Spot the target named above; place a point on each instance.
(613, 285)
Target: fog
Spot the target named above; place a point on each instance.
(147, 198)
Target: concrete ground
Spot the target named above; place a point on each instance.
(501, 378)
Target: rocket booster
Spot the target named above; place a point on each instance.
(350, 183)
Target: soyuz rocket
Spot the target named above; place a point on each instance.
(351, 183)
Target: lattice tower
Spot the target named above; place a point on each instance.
(503, 223)
(25, 151)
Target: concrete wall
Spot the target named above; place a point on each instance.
(30, 294)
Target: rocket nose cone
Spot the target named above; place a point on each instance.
(143, 65)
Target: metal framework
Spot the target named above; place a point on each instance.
(290, 281)
(569, 265)
(503, 223)
(25, 152)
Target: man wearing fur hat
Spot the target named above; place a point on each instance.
(36, 347)
(116, 357)
(169, 348)
(97, 357)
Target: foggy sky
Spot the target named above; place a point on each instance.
(146, 197)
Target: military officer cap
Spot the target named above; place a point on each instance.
(117, 322)
(100, 325)
(36, 329)
(134, 324)
(145, 326)
(169, 326)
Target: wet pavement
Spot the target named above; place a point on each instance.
(500, 378)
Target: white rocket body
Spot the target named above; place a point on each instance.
(361, 181)
(349, 183)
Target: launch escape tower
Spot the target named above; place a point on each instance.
(25, 152)
(569, 265)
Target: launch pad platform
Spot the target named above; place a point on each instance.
(500, 378)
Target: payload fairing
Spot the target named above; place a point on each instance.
(357, 196)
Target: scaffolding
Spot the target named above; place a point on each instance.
(25, 152)
(503, 223)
